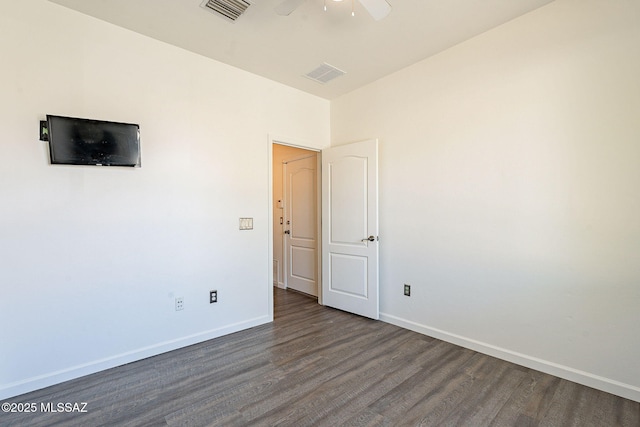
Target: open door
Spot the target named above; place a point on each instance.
(300, 214)
(350, 228)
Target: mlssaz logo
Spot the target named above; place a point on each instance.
(64, 407)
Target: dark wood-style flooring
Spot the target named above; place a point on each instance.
(319, 366)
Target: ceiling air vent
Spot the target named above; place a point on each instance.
(228, 9)
(324, 73)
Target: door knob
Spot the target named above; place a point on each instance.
(287, 231)
(370, 239)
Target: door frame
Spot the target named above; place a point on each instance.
(291, 142)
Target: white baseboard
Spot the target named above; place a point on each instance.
(46, 380)
(585, 378)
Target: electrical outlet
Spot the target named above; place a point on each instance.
(407, 290)
(179, 303)
(213, 297)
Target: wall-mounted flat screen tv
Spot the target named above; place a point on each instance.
(74, 141)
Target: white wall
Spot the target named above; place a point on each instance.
(509, 185)
(92, 258)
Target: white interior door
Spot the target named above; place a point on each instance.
(300, 215)
(350, 228)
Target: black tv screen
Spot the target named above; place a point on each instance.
(74, 141)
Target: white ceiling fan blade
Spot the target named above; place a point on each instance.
(287, 6)
(377, 8)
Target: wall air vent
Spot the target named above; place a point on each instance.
(228, 9)
(324, 73)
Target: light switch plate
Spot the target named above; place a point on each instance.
(246, 223)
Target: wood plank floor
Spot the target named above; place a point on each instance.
(318, 366)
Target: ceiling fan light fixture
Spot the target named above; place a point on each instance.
(378, 9)
(353, 10)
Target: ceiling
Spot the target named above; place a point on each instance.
(284, 48)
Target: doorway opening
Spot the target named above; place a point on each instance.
(296, 219)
